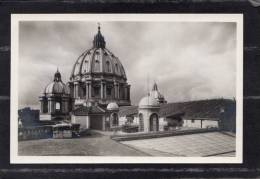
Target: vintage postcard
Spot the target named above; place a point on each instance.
(126, 88)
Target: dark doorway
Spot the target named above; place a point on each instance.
(154, 122)
(96, 122)
(114, 119)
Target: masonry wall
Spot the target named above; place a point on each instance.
(146, 115)
(82, 120)
(198, 124)
(123, 120)
(162, 123)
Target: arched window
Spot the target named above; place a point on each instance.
(121, 92)
(141, 122)
(97, 91)
(77, 68)
(114, 119)
(116, 68)
(97, 66)
(45, 106)
(85, 66)
(108, 66)
(109, 91)
(57, 106)
(154, 122)
(84, 91)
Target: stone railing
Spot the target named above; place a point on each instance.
(35, 132)
(48, 131)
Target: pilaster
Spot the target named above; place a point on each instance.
(90, 90)
(76, 89)
(87, 90)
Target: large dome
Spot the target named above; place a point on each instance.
(97, 60)
(57, 86)
(99, 76)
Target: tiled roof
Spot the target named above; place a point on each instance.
(193, 109)
(198, 109)
(127, 110)
(85, 110)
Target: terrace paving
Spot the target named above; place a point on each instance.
(193, 145)
(94, 145)
(100, 144)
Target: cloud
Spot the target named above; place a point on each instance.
(188, 60)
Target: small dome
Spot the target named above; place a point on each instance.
(57, 86)
(112, 106)
(148, 101)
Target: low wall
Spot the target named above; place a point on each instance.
(48, 131)
(65, 134)
(36, 132)
(149, 135)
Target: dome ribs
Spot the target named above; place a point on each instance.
(103, 56)
(56, 86)
(93, 60)
(83, 55)
(102, 69)
(83, 60)
(98, 65)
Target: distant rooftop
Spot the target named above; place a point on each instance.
(210, 108)
(86, 110)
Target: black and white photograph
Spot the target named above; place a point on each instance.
(126, 88)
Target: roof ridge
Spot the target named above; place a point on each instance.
(200, 100)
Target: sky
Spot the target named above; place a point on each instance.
(188, 60)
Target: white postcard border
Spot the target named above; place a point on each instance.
(16, 18)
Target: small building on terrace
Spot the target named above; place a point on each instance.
(94, 117)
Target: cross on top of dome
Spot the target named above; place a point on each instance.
(99, 41)
(98, 27)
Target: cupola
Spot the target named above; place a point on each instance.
(99, 41)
